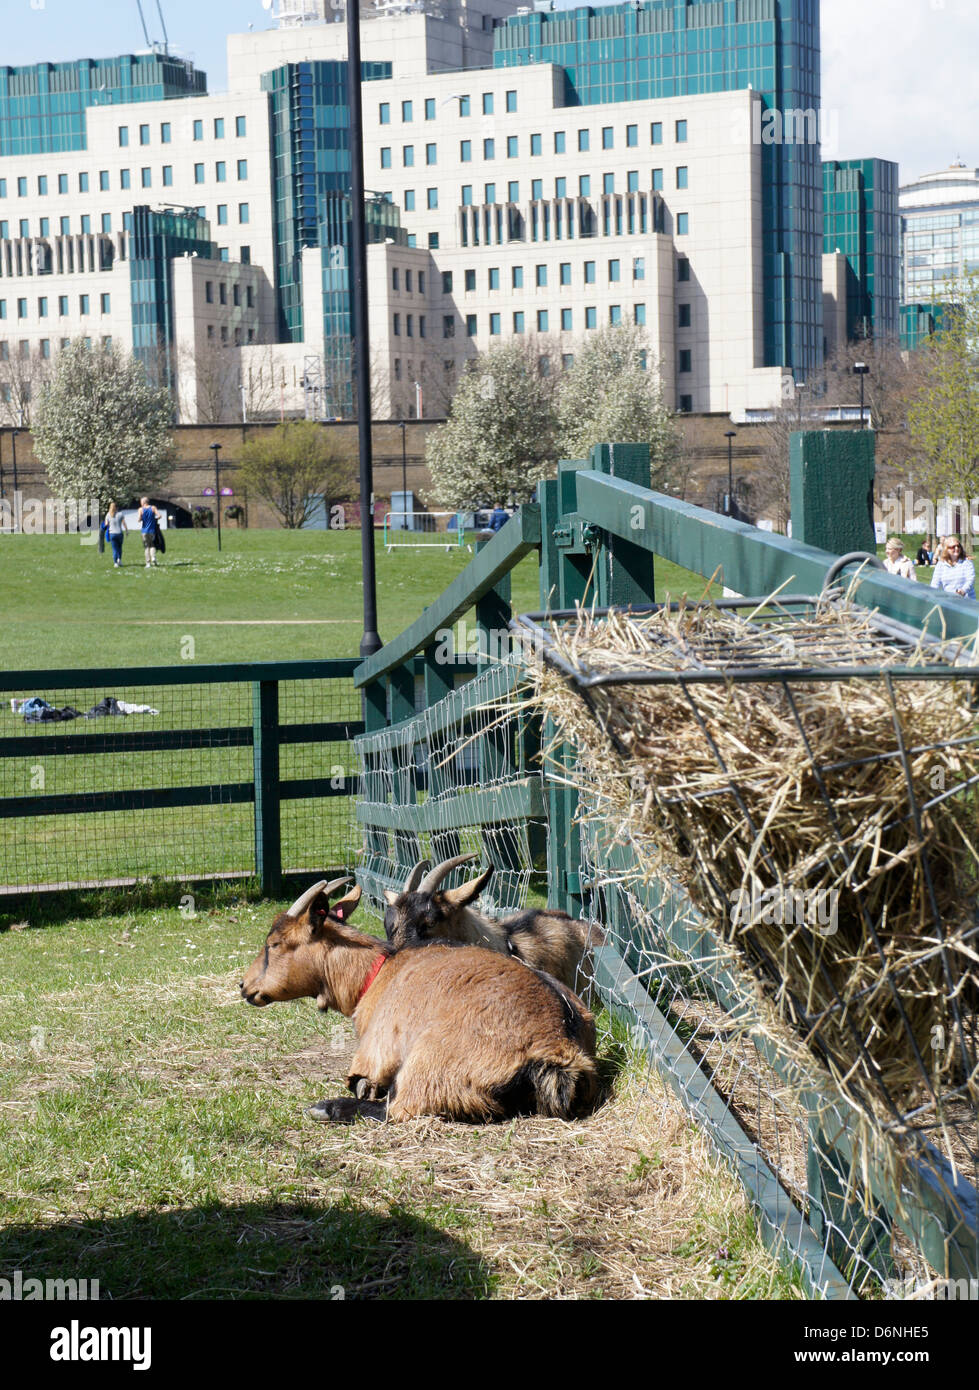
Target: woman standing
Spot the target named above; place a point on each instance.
(955, 572)
(115, 529)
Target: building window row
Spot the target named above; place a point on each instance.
(542, 319)
(487, 105)
(62, 182)
(409, 321)
(84, 306)
(408, 279)
(222, 292)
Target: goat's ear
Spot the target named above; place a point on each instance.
(390, 897)
(317, 914)
(466, 892)
(343, 909)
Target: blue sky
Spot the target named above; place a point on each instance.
(898, 75)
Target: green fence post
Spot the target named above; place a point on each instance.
(265, 759)
(832, 489)
(407, 850)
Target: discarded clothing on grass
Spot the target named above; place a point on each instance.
(38, 711)
(111, 706)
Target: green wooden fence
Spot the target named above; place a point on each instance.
(597, 530)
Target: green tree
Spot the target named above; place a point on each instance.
(291, 467)
(498, 442)
(943, 416)
(100, 429)
(612, 394)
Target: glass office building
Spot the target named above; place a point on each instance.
(157, 238)
(42, 106)
(670, 48)
(861, 221)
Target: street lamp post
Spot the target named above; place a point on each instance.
(1, 466)
(404, 473)
(730, 435)
(861, 369)
(800, 386)
(216, 449)
(13, 446)
(370, 641)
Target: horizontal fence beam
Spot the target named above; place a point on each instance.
(332, 668)
(752, 561)
(512, 542)
(129, 799)
(519, 800)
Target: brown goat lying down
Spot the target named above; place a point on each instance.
(452, 1030)
(543, 939)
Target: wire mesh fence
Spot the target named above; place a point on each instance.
(106, 781)
(459, 778)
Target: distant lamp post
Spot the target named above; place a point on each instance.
(1, 467)
(13, 446)
(404, 474)
(861, 369)
(730, 436)
(800, 386)
(216, 449)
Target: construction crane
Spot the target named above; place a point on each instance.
(154, 44)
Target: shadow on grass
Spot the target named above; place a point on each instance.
(252, 1251)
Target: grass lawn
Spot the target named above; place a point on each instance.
(153, 1136)
(268, 596)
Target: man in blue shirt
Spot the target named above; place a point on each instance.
(498, 517)
(149, 519)
(955, 572)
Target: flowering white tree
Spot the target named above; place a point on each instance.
(612, 394)
(498, 442)
(100, 429)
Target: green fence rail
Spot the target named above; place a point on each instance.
(597, 530)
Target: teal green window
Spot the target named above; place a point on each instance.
(242, 169)
(222, 214)
(487, 103)
(682, 223)
(656, 133)
(123, 135)
(614, 271)
(542, 320)
(489, 193)
(64, 226)
(559, 142)
(241, 127)
(489, 149)
(467, 195)
(639, 315)
(106, 224)
(470, 325)
(408, 156)
(244, 213)
(25, 227)
(493, 277)
(589, 272)
(681, 132)
(83, 304)
(518, 321)
(433, 198)
(145, 178)
(584, 186)
(221, 171)
(632, 136)
(464, 106)
(615, 313)
(165, 133)
(62, 183)
(384, 113)
(42, 307)
(682, 176)
(632, 181)
(45, 227)
(144, 135)
(409, 200)
(639, 267)
(470, 281)
(42, 185)
(608, 183)
(513, 146)
(104, 180)
(198, 174)
(465, 151)
(513, 192)
(540, 276)
(584, 140)
(564, 274)
(516, 277)
(494, 325)
(431, 154)
(22, 308)
(560, 188)
(446, 281)
(657, 180)
(22, 188)
(511, 102)
(407, 110)
(198, 130)
(591, 317)
(83, 183)
(105, 303)
(125, 178)
(430, 108)
(219, 127)
(536, 145)
(385, 157)
(608, 137)
(536, 189)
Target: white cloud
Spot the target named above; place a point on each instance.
(899, 81)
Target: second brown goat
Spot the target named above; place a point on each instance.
(544, 939)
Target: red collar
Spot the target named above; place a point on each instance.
(372, 975)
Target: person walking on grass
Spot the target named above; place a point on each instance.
(115, 529)
(955, 572)
(149, 519)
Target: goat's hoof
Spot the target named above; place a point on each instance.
(364, 1089)
(343, 1110)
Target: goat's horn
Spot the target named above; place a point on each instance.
(437, 876)
(415, 877)
(311, 894)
